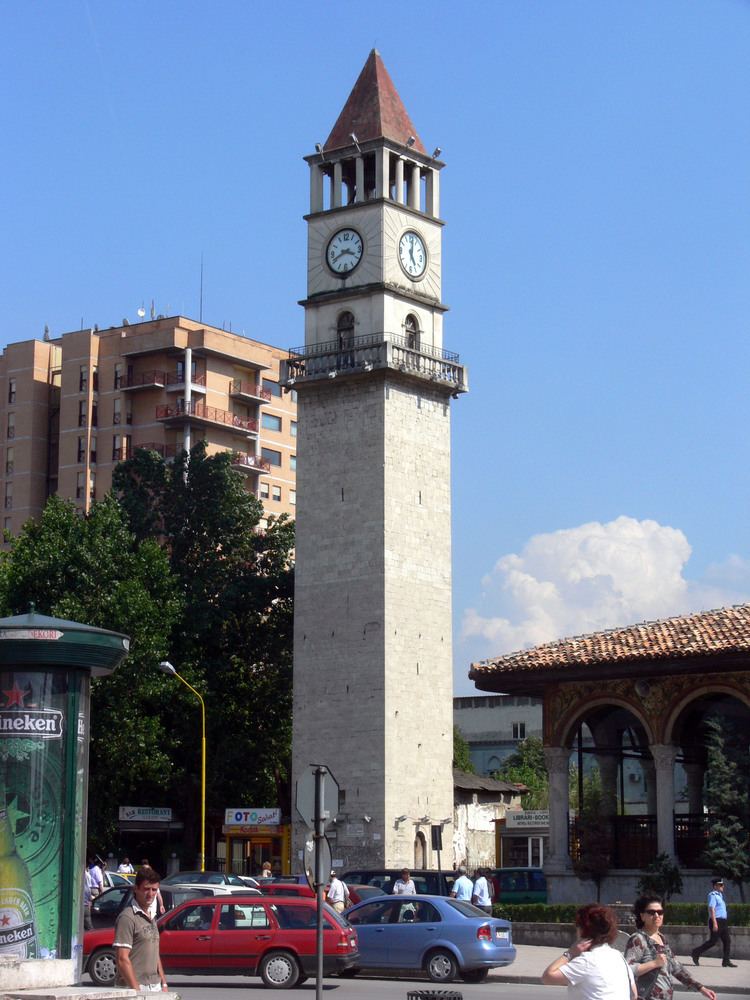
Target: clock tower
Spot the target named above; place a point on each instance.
(372, 633)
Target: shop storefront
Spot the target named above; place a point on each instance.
(253, 836)
(522, 838)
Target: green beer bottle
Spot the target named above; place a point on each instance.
(17, 926)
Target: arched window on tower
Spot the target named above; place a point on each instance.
(411, 329)
(420, 851)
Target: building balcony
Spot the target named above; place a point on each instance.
(248, 392)
(176, 383)
(152, 379)
(249, 463)
(198, 412)
(358, 356)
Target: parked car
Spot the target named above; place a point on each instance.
(112, 879)
(230, 881)
(445, 937)
(105, 909)
(519, 885)
(357, 893)
(429, 882)
(273, 938)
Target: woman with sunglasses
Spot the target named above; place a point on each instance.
(650, 956)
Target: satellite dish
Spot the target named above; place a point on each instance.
(141, 312)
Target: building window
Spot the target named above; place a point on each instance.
(276, 493)
(9, 496)
(345, 329)
(271, 456)
(82, 412)
(92, 486)
(273, 387)
(118, 375)
(293, 463)
(81, 449)
(128, 411)
(519, 730)
(93, 451)
(293, 395)
(80, 485)
(94, 415)
(8, 525)
(121, 447)
(292, 497)
(264, 491)
(270, 422)
(116, 415)
(95, 379)
(293, 428)
(11, 390)
(11, 432)
(411, 328)
(83, 378)
(8, 461)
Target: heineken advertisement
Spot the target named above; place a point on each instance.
(45, 674)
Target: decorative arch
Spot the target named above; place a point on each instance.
(695, 694)
(411, 331)
(566, 727)
(345, 328)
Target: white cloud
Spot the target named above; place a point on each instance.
(593, 577)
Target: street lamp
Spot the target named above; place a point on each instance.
(166, 667)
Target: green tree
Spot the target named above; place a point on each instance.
(461, 753)
(234, 639)
(660, 878)
(526, 766)
(727, 800)
(593, 854)
(93, 570)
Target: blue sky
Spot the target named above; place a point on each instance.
(595, 255)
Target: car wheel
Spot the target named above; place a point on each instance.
(301, 980)
(474, 975)
(441, 967)
(279, 970)
(348, 973)
(102, 967)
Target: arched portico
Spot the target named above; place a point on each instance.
(623, 716)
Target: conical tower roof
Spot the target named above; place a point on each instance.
(373, 111)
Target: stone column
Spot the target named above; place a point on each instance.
(382, 173)
(558, 855)
(414, 186)
(336, 189)
(316, 188)
(359, 166)
(400, 181)
(664, 756)
(432, 193)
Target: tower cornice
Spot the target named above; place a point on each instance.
(358, 205)
(364, 291)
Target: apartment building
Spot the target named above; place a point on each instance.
(73, 407)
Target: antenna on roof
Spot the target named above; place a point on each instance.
(200, 307)
(46, 333)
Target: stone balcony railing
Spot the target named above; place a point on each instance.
(359, 355)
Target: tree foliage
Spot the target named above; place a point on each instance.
(234, 640)
(660, 878)
(527, 766)
(726, 797)
(461, 752)
(93, 570)
(593, 856)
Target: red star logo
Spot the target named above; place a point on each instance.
(6, 920)
(15, 696)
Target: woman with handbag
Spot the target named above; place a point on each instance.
(650, 956)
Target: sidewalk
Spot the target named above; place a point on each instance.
(532, 960)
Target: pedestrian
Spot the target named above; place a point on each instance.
(136, 940)
(591, 968)
(87, 898)
(338, 894)
(97, 878)
(650, 955)
(463, 887)
(125, 867)
(482, 895)
(404, 886)
(265, 871)
(718, 925)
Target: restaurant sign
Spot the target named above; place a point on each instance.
(145, 814)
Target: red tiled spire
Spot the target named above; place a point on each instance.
(373, 111)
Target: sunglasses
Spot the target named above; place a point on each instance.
(654, 913)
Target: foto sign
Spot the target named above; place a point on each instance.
(252, 817)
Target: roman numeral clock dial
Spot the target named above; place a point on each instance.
(344, 251)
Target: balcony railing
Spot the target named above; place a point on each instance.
(357, 355)
(239, 388)
(178, 378)
(253, 463)
(139, 380)
(201, 411)
(631, 841)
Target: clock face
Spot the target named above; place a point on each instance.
(412, 254)
(344, 251)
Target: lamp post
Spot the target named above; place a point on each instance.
(166, 667)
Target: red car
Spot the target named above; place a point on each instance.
(236, 935)
(357, 893)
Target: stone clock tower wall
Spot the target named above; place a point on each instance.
(372, 638)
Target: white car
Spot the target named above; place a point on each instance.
(219, 882)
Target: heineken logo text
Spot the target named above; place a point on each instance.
(17, 935)
(45, 724)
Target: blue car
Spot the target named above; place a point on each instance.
(444, 937)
